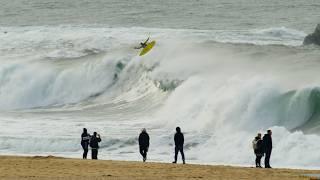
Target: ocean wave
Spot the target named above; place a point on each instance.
(220, 94)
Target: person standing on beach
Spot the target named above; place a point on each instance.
(144, 144)
(94, 144)
(85, 138)
(258, 149)
(267, 144)
(178, 141)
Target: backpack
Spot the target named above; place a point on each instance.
(255, 144)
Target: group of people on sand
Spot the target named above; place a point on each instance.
(263, 147)
(92, 141)
(144, 142)
(178, 141)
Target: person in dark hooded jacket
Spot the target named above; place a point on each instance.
(94, 144)
(85, 138)
(178, 141)
(267, 144)
(144, 143)
(258, 149)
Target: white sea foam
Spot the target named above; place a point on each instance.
(56, 80)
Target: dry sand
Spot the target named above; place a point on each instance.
(13, 167)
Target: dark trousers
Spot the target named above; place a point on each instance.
(258, 160)
(85, 150)
(143, 152)
(94, 153)
(267, 158)
(176, 151)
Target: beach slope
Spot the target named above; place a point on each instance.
(13, 167)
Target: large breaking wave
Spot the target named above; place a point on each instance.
(221, 87)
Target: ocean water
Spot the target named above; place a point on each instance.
(221, 70)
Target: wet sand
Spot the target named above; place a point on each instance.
(16, 167)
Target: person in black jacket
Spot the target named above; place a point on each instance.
(267, 144)
(85, 138)
(178, 141)
(258, 149)
(144, 144)
(94, 144)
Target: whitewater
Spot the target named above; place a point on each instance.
(57, 80)
(221, 83)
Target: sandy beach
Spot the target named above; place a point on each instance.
(14, 167)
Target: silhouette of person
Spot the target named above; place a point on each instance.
(85, 138)
(258, 149)
(94, 144)
(143, 44)
(178, 141)
(144, 143)
(267, 144)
